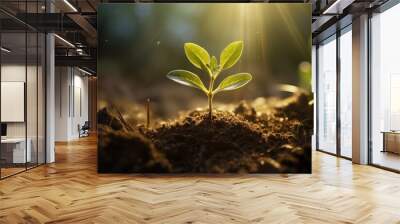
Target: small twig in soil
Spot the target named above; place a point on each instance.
(121, 118)
(148, 113)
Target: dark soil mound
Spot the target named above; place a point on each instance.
(228, 143)
(242, 141)
(129, 152)
(104, 117)
(123, 151)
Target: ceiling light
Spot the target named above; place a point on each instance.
(5, 50)
(84, 71)
(65, 41)
(70, 5)
(80, 51)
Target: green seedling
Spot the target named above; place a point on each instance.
(200, 58)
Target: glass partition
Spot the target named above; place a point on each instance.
(327, 95)
(22, 98)
(31, 100)
(41, 109)
(14, 153)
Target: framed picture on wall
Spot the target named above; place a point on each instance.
(204, 88)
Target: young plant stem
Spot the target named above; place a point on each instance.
(210, 105)
(210, 96)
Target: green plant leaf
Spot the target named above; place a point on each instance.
(197, 55)
(187, 78)
(231, 54)
(206, 69)
(233, 82)
(213, 64)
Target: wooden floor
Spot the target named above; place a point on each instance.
(70, 191)
(5, 172)
(387, 159)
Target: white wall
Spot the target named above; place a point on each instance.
(10, 73)
(33, 126)
(71, 102)
(62, 81)
(16, 73)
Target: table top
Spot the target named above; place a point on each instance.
(391, 132)
(13, 140)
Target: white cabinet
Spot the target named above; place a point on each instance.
(19, 155)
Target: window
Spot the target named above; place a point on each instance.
(385, 89)
(327, 95)
(345, 92)
(334, 106)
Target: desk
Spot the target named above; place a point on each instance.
(13, 150)
(391, 141)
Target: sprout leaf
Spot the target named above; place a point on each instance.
(200, 58)
(197, 55)
(231, 54)
(233, 82)
(214, 64)
(187, 78)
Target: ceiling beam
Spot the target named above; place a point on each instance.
(337, 7)
(83, 23)
(79, 61)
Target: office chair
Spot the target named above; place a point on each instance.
(84, 130)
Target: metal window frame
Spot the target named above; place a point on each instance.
(387, 5)
(339, 32)
(381, 9)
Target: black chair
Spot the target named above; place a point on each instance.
(84, 130)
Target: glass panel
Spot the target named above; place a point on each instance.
(22, 89)
(346, 94)
(385, 84)
(32, 85)
(13, 88)
(327, 96)
(41, 98)
(31, 100)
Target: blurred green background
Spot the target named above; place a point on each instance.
(140, 43)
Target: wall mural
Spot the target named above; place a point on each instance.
(204, 88)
